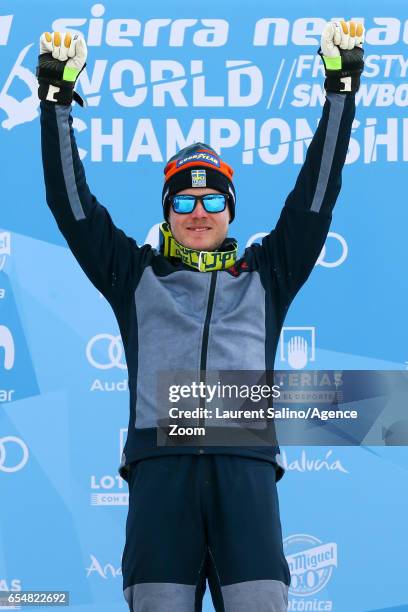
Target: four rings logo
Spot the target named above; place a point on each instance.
(13, 454)
(335, 244)
(105, 351)
(337, 259)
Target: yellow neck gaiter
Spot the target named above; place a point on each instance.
(203, 261)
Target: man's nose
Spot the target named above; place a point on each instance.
(199, 211)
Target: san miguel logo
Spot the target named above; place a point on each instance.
(311, 563)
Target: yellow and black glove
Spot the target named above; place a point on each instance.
(62, 58)
(342, 53)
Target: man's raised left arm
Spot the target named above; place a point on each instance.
(293, 247)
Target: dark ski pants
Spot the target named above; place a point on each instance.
(198, 517)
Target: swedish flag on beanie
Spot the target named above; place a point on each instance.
(197, 165)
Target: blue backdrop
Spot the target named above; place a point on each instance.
(245, 78)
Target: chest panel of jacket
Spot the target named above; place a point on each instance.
(171, 312)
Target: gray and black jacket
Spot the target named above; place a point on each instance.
(170, 315)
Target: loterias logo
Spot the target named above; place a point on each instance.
(12, 585)
(298, 346)
(108, 489)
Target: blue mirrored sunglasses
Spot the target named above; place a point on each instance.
(213, 202)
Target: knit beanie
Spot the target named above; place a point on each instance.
(197, 165)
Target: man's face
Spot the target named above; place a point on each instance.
(199, 229)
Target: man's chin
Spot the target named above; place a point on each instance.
(200, 246)
(199, 243)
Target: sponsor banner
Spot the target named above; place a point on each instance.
(311, 563)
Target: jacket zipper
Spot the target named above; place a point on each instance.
(204, 344)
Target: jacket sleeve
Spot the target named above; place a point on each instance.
(290, 251)
(107, 256)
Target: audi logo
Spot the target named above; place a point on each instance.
(336, 262)
(6, 444)
(112, 348)
(322, 259)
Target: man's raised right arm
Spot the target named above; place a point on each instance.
(108, 257)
